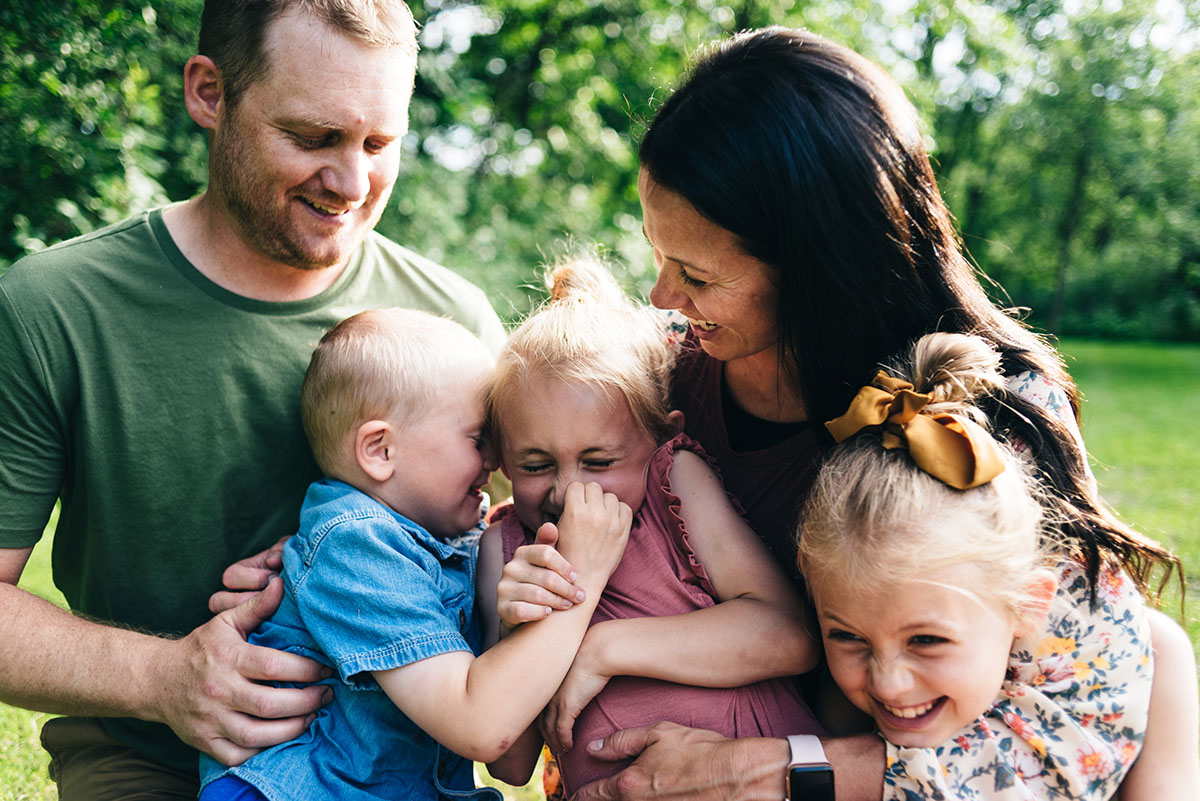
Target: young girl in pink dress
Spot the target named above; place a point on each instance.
(698, 625)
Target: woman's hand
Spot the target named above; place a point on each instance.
(246, 577)
(537, 581)
(583, 682)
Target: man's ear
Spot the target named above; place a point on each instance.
(375, 449)
(203, 91)
(1040, 589)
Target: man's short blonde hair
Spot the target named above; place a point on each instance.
(383, 364)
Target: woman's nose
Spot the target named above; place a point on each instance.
(666, 293)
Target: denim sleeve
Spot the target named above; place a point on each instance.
(374, 599)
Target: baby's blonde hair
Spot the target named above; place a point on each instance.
(387, 364)
(589, 332)
(874, 519)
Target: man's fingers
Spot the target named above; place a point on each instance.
(223, 601)
(246, 736)
(262, 704)
(247, 616)
(259, 663)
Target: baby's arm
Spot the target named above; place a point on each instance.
(756, 631)
(517, 764)
(479, 707)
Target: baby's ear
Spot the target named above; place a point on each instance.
(1040, 590)
(675, 419)
(375, 449)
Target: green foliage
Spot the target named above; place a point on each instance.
(1063, 133)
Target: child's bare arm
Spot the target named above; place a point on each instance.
(757, 630)
(537, 581)
(479, 707)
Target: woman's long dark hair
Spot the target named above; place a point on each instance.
(811, 156)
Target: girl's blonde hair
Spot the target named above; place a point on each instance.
(589, 332)
(387, 364)
(875, 519)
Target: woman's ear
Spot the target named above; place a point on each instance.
(675, 419)
(375, 449)
(1040, 590)
(203, 91)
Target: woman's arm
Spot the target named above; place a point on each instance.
(1169, 765)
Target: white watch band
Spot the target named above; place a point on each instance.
(807, 750)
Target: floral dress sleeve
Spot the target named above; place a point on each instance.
(1041, 391)
(1071, 714)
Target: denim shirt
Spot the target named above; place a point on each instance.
(366, 589)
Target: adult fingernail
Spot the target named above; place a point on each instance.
(328, 696)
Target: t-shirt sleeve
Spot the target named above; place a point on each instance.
(31, 434)
(371, 600)
(1070, 718)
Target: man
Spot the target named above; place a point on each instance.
(150, 377)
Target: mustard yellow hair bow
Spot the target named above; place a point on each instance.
(952, 449)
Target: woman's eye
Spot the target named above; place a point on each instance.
(688, 280)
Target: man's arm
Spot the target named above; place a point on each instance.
(204, 685)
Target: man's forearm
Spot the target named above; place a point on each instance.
(56, 662)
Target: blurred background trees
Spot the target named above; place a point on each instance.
(1066, 135)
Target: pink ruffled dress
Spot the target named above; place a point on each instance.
(660, 575)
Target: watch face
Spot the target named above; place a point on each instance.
(810, 783)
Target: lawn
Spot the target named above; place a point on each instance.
(1139, 420)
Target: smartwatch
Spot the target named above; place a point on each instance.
(809, 775)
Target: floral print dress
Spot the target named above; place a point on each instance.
(1070, 717)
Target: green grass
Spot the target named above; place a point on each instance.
(1141, 421)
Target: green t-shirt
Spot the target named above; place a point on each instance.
(165, 412)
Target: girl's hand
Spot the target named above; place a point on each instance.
(583, 682)
(592, 531)
(537, 581)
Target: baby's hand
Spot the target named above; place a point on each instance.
(593, 530)
(537, 581)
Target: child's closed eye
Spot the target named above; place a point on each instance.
(838, 635)
(598, 464)
(534, 467)
(928, 639)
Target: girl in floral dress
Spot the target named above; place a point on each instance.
(946, 612)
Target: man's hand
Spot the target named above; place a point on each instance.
(675, 762)
(209, 686)
(247, 576)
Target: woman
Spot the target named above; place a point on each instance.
(797, 226)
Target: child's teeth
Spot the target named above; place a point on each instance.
(909, 712)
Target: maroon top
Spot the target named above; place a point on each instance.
(659, 575)
(771, 484)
